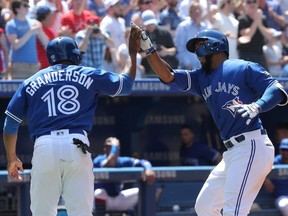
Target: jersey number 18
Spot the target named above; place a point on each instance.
(67, 97)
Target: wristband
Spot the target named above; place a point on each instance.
(146, 164)
(114, 150)
(150, 51)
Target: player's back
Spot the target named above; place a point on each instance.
(61, 96)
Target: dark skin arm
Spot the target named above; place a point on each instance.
(14, 164)
(133, 46)
(160, 67)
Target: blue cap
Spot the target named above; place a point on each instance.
(284, 144)
(42, 10)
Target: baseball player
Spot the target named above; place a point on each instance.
(115, 197)
(59, 103)
(236, 92)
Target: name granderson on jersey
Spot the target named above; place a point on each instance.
(59, 76)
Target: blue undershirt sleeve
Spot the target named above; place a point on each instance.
(271, 98)
(146, 164)
(10, 126)
(114, 150)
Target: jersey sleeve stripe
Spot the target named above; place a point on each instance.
(120, 86)
(189, 81)
(13, 116)
(277, 84)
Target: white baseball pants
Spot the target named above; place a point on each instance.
(60, 168)
(126, 200)
(235, 182)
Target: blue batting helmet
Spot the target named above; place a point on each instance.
(63, 49)
(214, 42)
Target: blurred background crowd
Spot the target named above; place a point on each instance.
(257, 30)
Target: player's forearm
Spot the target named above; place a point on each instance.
(146, 164)
(160, 67)
(131, 66)
(10, 145)
(271, 98)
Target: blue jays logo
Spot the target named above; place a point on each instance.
(53, 57)
(231, 106)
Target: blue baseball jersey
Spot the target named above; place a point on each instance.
(64, 97)
(197, 154)
(281, 183)
(113, 189)
(235, 81)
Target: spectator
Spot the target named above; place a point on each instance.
(193, 153)
(284, 7)
(279, 186)
(184, 8)
(5, 13)
(136, 18)
(190, 26)
(238, 11)
(22, 32)
(144, 5)
(225, 22)
(75, 20)
(128, 9)
(273, 55)
(114, 25)
(4, 58)
(169, 17)
(123, 53)
(44, 15)
(253, 32)
(162, 40)
(273, 13)
(208, 10)
(58, 8)
(115, 198)
(94, 43)
(281, 132)
(97, 7)
(284, 43)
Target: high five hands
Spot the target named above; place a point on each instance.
(145, 42)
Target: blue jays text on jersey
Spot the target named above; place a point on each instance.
(233, 82)
(228, 88)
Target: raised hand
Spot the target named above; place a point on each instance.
(145, 41)
(134, 39)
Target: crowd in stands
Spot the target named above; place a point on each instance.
(257, 30)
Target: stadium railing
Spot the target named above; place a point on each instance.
(147, 199)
